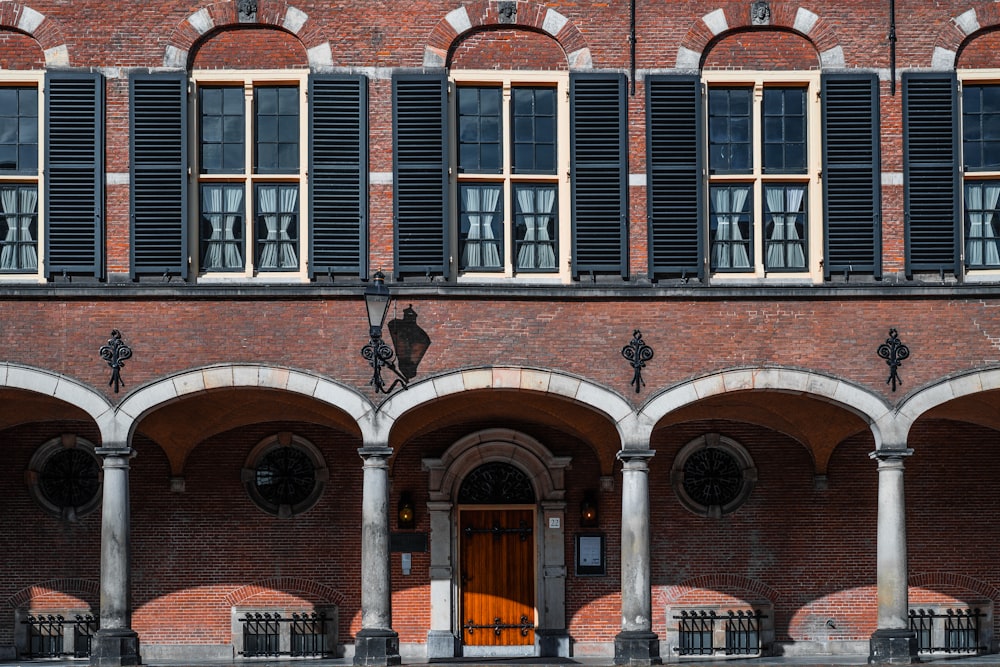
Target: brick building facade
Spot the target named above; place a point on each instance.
(788, 212)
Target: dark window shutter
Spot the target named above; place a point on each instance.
(931, 171)
(851, 174)
(338, 174)
(674, 168)
(74, 173)
(159, 160)
(599, 172)
(420, 173)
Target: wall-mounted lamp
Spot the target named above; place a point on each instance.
(588, 510)
(405, 517)
(378, 354)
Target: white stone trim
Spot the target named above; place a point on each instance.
(553, 22)
(968, 22)
(320, 55)
(174, 57)
(201, 21)
(29, 20)
(57, 56)
(805, 21)
(943, 58)
(294, 20)
(458, 19)
(832, 58)
(716, 21)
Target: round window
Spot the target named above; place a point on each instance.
(713, 475)
(64, 477)
(285, 475)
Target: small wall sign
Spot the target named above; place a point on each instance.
(590, 559)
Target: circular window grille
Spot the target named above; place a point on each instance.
(713, 475)
(64, 477)
(496, 484)
(285, 475)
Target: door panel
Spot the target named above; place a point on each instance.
(498, 577)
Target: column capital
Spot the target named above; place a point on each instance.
(116, 450)
(888, 455)
(376, 452)
(629, 455)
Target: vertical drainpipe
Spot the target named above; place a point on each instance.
(892, 46)
(631, 44)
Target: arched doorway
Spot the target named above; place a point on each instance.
(497, 510)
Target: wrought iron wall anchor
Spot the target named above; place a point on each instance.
(379, 356)
(115, 353)
(637, 353)
(894, 352)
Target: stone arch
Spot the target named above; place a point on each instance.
(866, 405)
(959, 30)
(783, 15)
(482, 14)
(152, 396)
(273, 13)
(83, 588)
(545, 471)
(46, 31)
(285, 584)
(954, 580)
(941, 392)
(59, 387)
(670, 594)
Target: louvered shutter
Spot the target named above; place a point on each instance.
(159, 161)
(599, 173)
(674, 168)
(338, 174)
(931, 174)
(851, 174)
(74, 173)
(420, 173)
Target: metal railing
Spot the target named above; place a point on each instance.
(47, 632)
(960, 630)
(262, 633)
(696, 632)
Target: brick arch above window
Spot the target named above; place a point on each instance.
(960, 32)
(752, 589)
(46, 31)
(225, 14)
(289, 585)
(86, 591)
(785, 16)
(485, 14)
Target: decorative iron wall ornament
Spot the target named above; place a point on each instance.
(760, 12)
(637, 353)
(894, 352)
(496, 483)
(115, 353)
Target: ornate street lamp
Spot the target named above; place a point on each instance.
(378, 354)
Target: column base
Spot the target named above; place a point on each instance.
(441, 644)
(115, 648)
(893, 647)
(638, 648)
(552, 643)
(376, 648)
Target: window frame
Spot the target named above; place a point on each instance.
(981, 176)
(17, 177)
(509, 177)
(251, 81)
(758, 177)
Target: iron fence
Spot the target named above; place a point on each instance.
(262, 635)
(47, 635)
(959, 630)
(697, 636)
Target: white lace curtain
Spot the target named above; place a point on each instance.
(224, 248)
(19, 208)
(483, 206)
(981, 203)
(278, 251)
(537, 250)
(729, 248)
(784, 205)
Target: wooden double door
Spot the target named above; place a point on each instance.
(497, 550)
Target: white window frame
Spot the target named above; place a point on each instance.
(974, 77)
(507, 80)
(25, 79)
(810, 80)
(249, 79)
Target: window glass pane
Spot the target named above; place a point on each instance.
(8, 102)
(222, 225)
(276, 129)
(19, 209)
(729, 226)
(784, 130)
(534, 141)
(729, 130)
(221, 130)
(479, 124)
(481, 227)
(982, 224)
(535, 228)
(8, 130)
(981, 127)
(784, 227)
(19, 129)
(277, 227)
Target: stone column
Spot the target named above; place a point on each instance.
(893, 641)
(551, 636)
(376, 644)
(115, 644)
(636, 644)
(441, 641)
